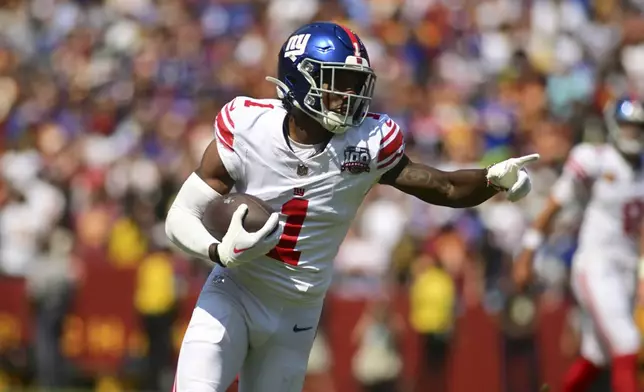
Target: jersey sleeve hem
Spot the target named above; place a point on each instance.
(579, 172)
(392, 146)
(582, 162)
(231, 161)
(224, 126)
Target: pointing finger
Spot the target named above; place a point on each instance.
(527, 159)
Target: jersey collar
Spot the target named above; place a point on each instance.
(285, 132)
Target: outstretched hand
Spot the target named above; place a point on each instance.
(510, 175)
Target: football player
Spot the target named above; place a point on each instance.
(608, 178)
(313, 154)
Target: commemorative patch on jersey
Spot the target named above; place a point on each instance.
(356, 160)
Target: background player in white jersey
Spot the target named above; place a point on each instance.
(313, 155)
(609, 178)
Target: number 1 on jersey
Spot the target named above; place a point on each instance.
(248, 103)
(295, 211)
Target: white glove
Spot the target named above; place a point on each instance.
(239, 246)
(512, 177)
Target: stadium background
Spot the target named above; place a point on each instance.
(107, 105)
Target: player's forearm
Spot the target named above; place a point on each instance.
(470, 187)
(540, 228)
(187, 233)
(183, 224)
(457, 189)
(545, 219)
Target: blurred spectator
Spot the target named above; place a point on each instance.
(382, 220)
(107, 105)
(318, 371)
(156, 302)
(432, 306)
(518, 322)
(51, 278)
(377, 363)
(31, 210)
(361, 265)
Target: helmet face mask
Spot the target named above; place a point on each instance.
(632, 137)
(323, 70)
(625, 123)
(340, 95)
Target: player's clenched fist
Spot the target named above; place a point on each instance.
(512, 177)
(239, 246)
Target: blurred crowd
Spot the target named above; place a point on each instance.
(107, 105)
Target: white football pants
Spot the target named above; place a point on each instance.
(605, 290)
(235, 331)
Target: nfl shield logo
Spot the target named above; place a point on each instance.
(302, 170)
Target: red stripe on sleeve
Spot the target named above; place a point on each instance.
(390, 144)
(223, 133)
(577, 169)
(393, 161)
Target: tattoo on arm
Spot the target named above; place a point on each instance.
(459, 189)
(421, 176)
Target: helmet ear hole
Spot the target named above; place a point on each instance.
(290, 82)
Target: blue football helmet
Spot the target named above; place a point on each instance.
(324, 70)
(625, 122)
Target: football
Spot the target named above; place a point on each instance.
(219, 212)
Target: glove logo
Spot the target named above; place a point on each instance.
(238, 251)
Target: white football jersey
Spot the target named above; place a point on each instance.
(614, 196)
(318, 195)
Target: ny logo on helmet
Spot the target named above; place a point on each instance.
(296, 46)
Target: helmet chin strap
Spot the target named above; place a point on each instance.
(329, 124)
(332, 125)
(629, 147)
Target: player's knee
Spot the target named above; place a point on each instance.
(213, 347)
(627, 342)
(593, 351)
(205, 366)
(204, 327)
(286, 375)
(202, 368)
(279, 382)
(596, 357)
